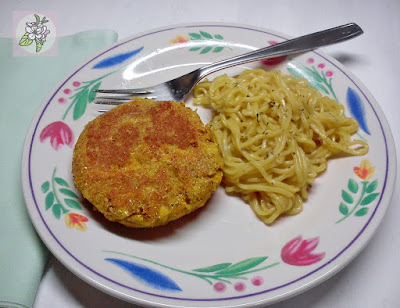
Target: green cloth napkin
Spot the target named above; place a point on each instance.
(24, 83)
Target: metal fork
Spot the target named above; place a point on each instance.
(177, 89)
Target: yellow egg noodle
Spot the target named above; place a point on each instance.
(276, 133)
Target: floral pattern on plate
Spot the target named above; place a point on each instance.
(61, 199)
(297, 252)
(366, 194)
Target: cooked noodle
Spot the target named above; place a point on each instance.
(276, 133)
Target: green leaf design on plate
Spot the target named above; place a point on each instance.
(68, 192)
(206, 35)
(372, 186)
(49, 200)
(61, 182)
(72, 203)
(92, 95)
(45, 187)
(368, 199)
(206, 49)
(300, 73)
(241, 266)
(25, 41)
(206, 42)
(347, 197)
(56, 210)
(59, 196)
(195, 36)
(352, 186)
(314, 74)
(314, 79)
(195, 48)
(218, 49)
(343, 208)
(80, 105)
(213, 268)
(318, 86)
(295, 72)
(361, 212)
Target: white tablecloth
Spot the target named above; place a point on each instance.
(373, 278)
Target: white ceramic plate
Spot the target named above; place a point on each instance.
(222, 255)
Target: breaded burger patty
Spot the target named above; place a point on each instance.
(146, 163)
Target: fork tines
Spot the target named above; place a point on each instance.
(112, 100)
(124, 91)
(121, 96)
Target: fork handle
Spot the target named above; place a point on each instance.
(296, 45)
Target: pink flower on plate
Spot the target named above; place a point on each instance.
(310, 60)
(273, 61)
(257, 281)
(220, 287)
(299, 252)
(59, 134)
(239, 286)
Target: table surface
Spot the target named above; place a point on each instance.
(373, 278)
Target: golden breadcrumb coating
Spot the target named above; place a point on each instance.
(146, 163)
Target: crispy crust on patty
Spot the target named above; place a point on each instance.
(146, 163)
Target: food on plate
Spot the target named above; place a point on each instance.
(276, 134)
(146, 163)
